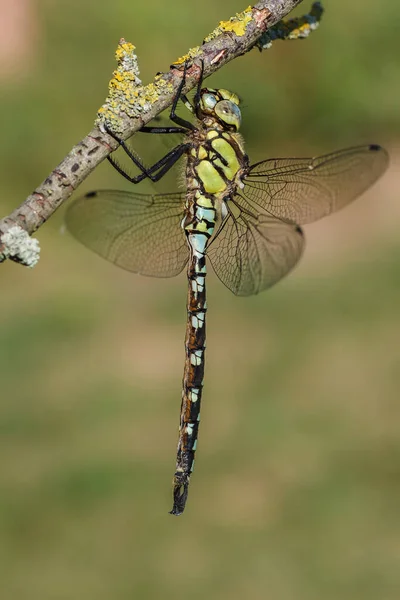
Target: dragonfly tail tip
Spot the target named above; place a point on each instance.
(181, 490)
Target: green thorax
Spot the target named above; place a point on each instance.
(216, 159)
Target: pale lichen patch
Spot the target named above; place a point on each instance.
(19, 246)
(126, 94)
(149, 94)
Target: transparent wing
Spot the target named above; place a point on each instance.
(302, 190)
(140, 233)
(252, 251)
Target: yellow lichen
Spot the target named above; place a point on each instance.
(236, 24)
(124, 49)
(303, 30)
(126, 94)
(193, 52)
(123, 88)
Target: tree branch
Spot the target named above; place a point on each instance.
(130, 105)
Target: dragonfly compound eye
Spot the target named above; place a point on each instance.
(208, 102)
(229, 113)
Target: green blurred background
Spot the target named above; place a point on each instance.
(296, 489)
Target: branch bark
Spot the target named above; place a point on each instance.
(131, 105)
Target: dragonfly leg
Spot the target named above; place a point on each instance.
(172, 115)
(198, 90)
(162, 166)
(196, 100)
(168, 161)
(187, 103)
(128, 152)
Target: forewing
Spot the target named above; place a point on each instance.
(251, 252)
(302, 190)
(140, 233)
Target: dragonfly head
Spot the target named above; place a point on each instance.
(223, 105)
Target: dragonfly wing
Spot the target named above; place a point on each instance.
(138, 232)
(302, 190)
(252, 251)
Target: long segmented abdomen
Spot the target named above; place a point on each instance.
(209, 175)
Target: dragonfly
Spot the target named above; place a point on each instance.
(245, 218)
